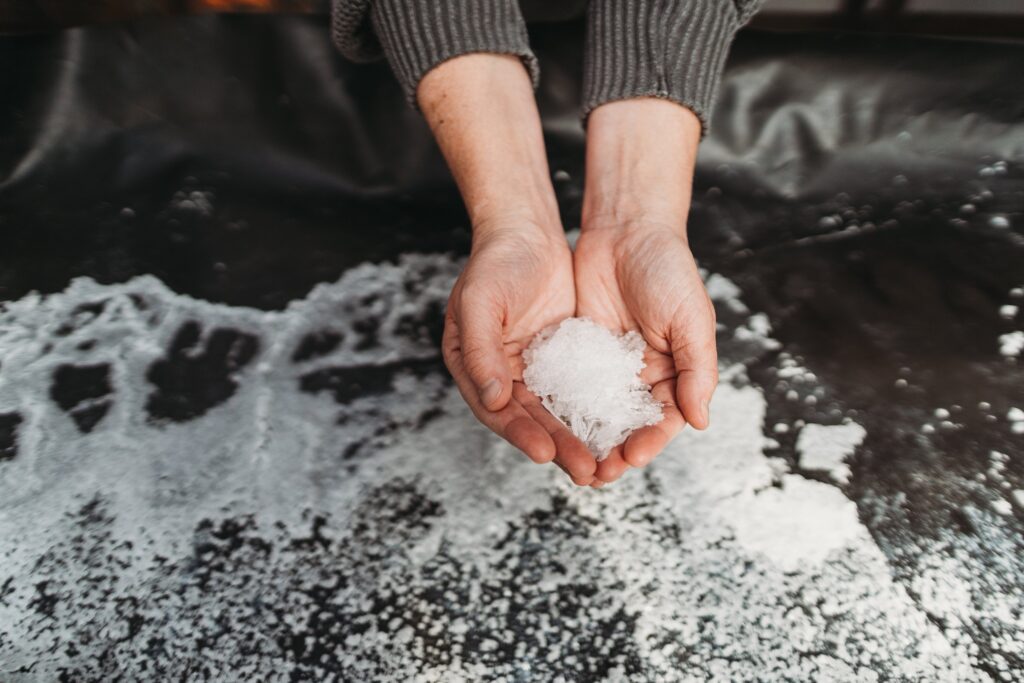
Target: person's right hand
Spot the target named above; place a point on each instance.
(518, 280)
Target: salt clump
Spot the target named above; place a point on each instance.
(589, 378)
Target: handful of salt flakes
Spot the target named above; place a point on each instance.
(589, 378)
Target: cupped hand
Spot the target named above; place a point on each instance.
(643, 277)
(518, 280)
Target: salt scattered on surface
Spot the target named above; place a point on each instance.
(589, 378)
(825, 448)
(700, 570)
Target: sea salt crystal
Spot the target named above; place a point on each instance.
(1002, 507)
(589, 378)
(1008, 311)
(1011, 344)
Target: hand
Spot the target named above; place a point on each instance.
(519, 277)
(644, 278)
(518, 281)
(634, 269)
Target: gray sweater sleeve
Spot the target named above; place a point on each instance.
(674, 49)
(417, 35)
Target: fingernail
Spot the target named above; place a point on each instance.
(705, 412)
(489, 394)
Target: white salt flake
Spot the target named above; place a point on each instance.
(1015, 414)
(825, 448)
(589, 378)
(1011, 344)
(1001, 222)
(796, 525)
(1008, 311)
(1002, 506)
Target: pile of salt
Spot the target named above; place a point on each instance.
(589, 378)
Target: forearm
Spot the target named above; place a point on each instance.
(639, 170)
(482, 112)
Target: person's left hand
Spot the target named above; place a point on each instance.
(644, 278)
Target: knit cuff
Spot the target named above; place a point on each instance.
(417, 36)
(677, 53)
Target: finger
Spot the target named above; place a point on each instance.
(612, 467)
(585, 481)
(696, 359)
(645, 444)
(572, 455)
(512, 422)
(480, 331)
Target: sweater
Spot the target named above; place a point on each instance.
(671, 49)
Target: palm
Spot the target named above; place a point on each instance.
(650, 285)
(511, 289)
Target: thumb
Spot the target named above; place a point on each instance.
(483, 351)
(695, 355)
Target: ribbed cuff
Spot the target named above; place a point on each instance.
(417, 35)
(673, 49)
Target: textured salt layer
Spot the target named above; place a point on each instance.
(589, 378)
(192, 491)
(825, 448)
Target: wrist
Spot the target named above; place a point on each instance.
(640, 158)
(523, 227)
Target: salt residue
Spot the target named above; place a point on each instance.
(825, 448)
(589, 378)
(700, 569)
(796, 525)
